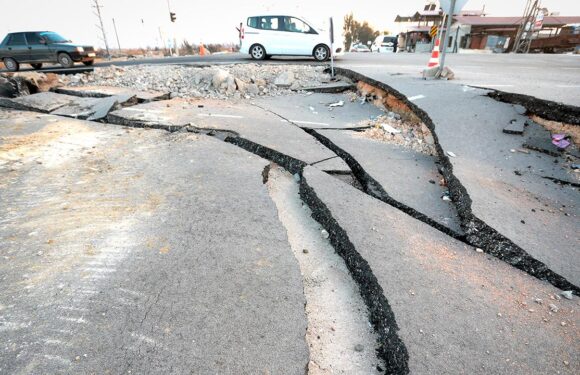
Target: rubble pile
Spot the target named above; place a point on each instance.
(390, 128)
(226, 81)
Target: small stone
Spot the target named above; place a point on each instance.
(305, 251)
(553, 308)
(566, 363)
(513, 150)
(39, 253)
(499, 314)
(563, 324)
(324, 234)
(359, 347)
(479, 250)
(296, 177)
(531, 310)
(452, 154)
(567, 294)
(538, 301)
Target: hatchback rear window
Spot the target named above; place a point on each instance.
(17, 40)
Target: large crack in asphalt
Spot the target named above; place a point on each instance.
(391, 348)
(477, 232)
(543, 108)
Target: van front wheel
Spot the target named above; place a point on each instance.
(257, 52)
(321, 53)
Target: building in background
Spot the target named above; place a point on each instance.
(475, 31)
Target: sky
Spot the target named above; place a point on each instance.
(139, 22)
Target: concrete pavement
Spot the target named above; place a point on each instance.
(157, 251)
(116, 258)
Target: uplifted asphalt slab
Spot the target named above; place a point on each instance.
(316, 111)
(90, 108)
(242, 119)
(508, 189)
(408, 176)
(140, 251)
(459, 311)
(104, 91)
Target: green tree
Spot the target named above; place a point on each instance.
(348, 30)
(354, 31)
(366, 33)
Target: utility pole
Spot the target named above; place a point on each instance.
(172, 18)
(162, 40)
(98, 7)
(447, 34)
(117, 35)
(523, 40)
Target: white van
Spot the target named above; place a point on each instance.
(265, 36)
(385, 44)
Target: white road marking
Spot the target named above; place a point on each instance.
(71, 308)
(57, 359)
(73, 320)
(486, 85)
(416, 97)
(99, 270)
(128, 291)
(143, 110)
(222, 116)
(309, 123)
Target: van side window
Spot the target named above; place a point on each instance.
(253, 22)
(17, 40)
(294, 25)
(268, 23)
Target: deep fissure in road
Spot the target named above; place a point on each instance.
(477, 232)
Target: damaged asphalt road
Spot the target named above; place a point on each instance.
(201, 235)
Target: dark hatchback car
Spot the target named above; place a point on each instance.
(37, 47)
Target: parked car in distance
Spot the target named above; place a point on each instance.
(282, 35)
(385, 44)
(38, 47)
(359, 48)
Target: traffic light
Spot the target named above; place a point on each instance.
(172, 16)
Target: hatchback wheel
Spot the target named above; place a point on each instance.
(257, 52)
(65, 60)
(321, 53)
(11, 64)
(36, 66)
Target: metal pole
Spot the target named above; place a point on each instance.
(102, 27)
(331, 47)
(117, 35)
(162, 40)
(447, 34)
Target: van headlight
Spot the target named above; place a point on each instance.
(79, 49)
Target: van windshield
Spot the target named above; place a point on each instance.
(53, 37)
(389, 39)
